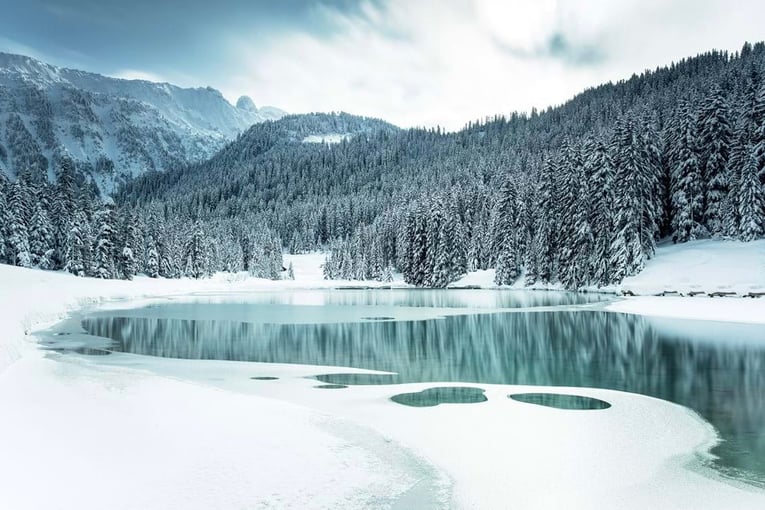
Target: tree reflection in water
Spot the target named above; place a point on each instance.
(715, 369)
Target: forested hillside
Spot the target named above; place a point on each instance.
(578, 194)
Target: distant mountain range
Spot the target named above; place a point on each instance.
(111, 128)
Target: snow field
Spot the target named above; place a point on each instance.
(129, 431)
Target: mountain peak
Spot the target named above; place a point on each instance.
(245, 103)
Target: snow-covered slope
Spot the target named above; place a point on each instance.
(112, 128)
(730, 268)
(706, 266)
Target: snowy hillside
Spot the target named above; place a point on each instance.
(728, 268)
(706, 266)
(112, 128)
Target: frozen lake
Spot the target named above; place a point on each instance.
(474, 336)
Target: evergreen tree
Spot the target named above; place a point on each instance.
(290, 272)
(687, 184)
(77, 247)
(18, 233)
(715, 139)
(41, 237)
(4, 221)
(509, 258)
(194, 253)
(599, 170)
(751, 202)
(105, 251)
(152, 258)
(758, 134)
(627, 257)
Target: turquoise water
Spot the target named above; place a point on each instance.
(716, 369)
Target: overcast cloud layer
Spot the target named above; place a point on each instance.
(412, 62)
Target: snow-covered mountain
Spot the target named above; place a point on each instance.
(111, 128)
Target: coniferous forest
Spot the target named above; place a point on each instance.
(578, 194)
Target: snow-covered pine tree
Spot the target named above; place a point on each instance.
(715, 140)
(570, 169)
(599, 171)
(63, 207)
(42, 242)
(751, 202)
(4, 220)
(415, 269)
(687, 183)
(508, 267)
(579, 271)
(18, 231)
(130, 246)
(627, 256)
(77, 251)
(650, 185)
(433, 269)
(547, 234)
(152, 258)
(388, 274)
(448, 248)
(290, 272)
(105, 254)
(194, 255)
(758, 134)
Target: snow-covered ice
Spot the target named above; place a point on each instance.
(128, 431)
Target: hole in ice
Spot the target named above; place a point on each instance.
(560, 401)
(446, 395)
(331, 386)
(378, 318)
(264, 378)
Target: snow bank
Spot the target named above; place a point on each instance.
(126, 431)
(78, 435)
(728, 309)
(703, 266)
(706, 266)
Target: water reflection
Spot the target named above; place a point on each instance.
(716, 369)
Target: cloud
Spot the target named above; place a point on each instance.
(413, 62)
(432, 62)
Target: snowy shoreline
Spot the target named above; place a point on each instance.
(198, 430)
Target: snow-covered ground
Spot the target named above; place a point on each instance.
(127, 431)
(703, 266)
(698, 268)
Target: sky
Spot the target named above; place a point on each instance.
(411, 62)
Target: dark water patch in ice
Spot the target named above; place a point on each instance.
(359, 379)
(444, 395)
(87, 351)
(264, 378)
(331, 386)
(561, 401)
(378, 318)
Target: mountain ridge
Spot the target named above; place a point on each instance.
(112, 128)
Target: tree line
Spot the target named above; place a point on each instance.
(66, 226)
